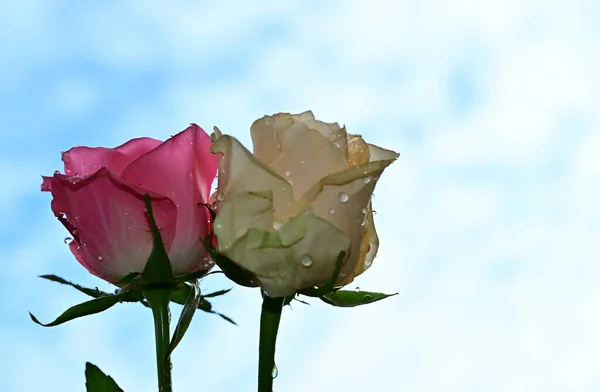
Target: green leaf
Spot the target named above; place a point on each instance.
(349, 299)
(234, 272)
(186, 316)
(96, 381)
(84, 309)
(158, 267)
(330, 285)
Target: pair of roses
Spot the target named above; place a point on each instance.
(293, 217)
(283, 213)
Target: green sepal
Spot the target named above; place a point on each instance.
(193, 276)
(181, 293)
(97, 381)
(349, 299)
(187, 313)
(129, 278)
(96, 305)
(158, 267)
(330, 285)
(234, 272)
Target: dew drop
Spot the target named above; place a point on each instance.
(367, 179)
(331, 211)
(275, 371)
(368, 262)
(68, 240)
(220, 196)
(302, 162)
(364, 210)
(364, 222)
(100, 258)
(357, 289)
(374, 212)
(56, 172)
(277, 224)
(306, 260)
(288, 173)
(343, 197)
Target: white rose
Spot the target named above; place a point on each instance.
(286, 212)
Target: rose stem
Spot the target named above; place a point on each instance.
(269, 325)
(159, 298)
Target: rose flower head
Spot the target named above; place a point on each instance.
(287, 211)
(100, 200)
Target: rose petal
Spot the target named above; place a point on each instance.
(183, 169)
(109, 220)
(343, 199)
(84, 161)
(304, 166)
(245, 211)
(135, 148)
(268, 134)
(240, 171)
(276, 258)
(46, 184)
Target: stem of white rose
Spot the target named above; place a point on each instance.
(159, 299)
(270, 317)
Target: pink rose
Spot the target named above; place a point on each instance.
(100, 201)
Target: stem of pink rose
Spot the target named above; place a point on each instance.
(159, 299)
(270, 317)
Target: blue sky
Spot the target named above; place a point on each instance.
(488, 221)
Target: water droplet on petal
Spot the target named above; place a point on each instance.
(288, 173)
(374, 212)
(306, 260)
(343, 197)
(275, 371)
(368, 262)
(364, 222)
(331, 211)
(277, 224)
(364, 210)
(56, 172)
(367, 179)
(220, 196)
(68, 240)
(100, 258)
(357, 289)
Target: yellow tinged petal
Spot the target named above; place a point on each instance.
(240, 171)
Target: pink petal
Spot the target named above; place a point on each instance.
(84, 161)
(183, 169)
(135, 148)
(108, 219)
(46, 184)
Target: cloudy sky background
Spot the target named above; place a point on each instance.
(488, 222)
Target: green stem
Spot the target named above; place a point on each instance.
(269, 325)
(159, 298)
